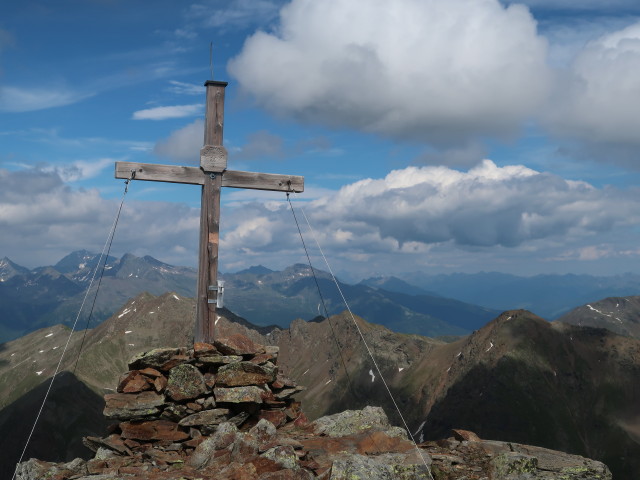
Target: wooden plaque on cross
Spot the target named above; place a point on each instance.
(212, 175)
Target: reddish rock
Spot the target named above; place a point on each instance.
(196, 407)
(194, 442)
(153, 430)
(150, 372)
(160, 383)
(201, 349)
(238, 471)
(133, 382)
(185, 383)
(113, 442)
(131, 443)
(265, 465)
(262, 358)
(301, 420)
(237, 344)
(465, 435)
(245, 373)
(277, 417)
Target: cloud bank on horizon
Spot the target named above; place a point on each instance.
(451, 135)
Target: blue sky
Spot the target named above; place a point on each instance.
(434, 135)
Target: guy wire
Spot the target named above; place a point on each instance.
(406, 426)
(333, 332)
(55, 373)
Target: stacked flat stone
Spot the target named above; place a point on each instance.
(173, 398)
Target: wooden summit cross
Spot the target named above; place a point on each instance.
(212, 175)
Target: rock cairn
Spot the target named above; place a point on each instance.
(173, 398)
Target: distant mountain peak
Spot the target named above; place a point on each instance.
(10, 269)
(256, 270)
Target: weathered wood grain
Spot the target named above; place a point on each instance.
(263, 181)
(194, 175)
(160, 173)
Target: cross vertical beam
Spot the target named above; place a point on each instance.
(211, 175)
(210, 214)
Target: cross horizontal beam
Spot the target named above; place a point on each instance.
(195, 176)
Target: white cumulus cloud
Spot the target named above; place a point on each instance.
(431, 70)
(415, 209)
(600, 99)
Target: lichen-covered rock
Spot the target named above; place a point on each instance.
(356, 421)
(127, 406)
(215, 360)
(249, 394)
(514, 466)
(185, 383)
(246, 373)
(32, 469)
(370, 468)
(283, 455)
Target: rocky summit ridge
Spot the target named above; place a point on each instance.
(224, 411)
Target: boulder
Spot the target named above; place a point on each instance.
(355, 421)
(185, 383)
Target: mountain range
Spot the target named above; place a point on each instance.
(518, 378)
(432, 305)
(52, 295)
